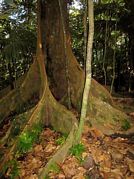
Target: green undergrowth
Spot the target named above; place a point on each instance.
(126, 125)
(77, 151)
(54, 168)
(24, 144)
(11, 168)
(28, 138)
(61, 140)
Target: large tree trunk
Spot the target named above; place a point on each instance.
(48, 111)
(100, 107)
(56, 70)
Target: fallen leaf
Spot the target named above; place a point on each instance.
(130, 164)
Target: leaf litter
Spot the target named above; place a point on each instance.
(104, 157)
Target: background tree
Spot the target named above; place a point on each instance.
(110, 42)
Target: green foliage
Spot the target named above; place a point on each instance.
(46, 177)
(13, 167)
(9, 1)
(61, 140)
(77, 32)
(17, 39)
(77, 151)
(126, 125)
(27, 139)
(54, 168)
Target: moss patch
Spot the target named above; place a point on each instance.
(126, 125)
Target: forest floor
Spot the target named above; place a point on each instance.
(97, 157)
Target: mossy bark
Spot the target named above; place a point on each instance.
(53, 43)
(46, 112)
(17, 97)
(101, 100)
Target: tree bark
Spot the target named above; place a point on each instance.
(51, 57)
(56, 69)
(53, 43)
(46, 112)
(88, 73)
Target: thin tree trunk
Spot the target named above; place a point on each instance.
(85, 34)
(104, 56)
(114, 60)
(88, 70)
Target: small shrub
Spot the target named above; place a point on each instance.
(126, 125)
(77, 151)
(61, 140)
(27, 139)
(12, 168)
(54, 168)
(15, 169)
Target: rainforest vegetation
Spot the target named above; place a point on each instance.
(67, 89)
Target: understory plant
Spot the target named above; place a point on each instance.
(77, 151)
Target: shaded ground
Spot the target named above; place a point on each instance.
(107, 157)
(103, 157)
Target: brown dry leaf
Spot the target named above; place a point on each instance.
(97, 154)
(79, 176)
(50, 148)
(70, 167)
(107, 161)
(47, 132)
(38, 151)
(61, 176)
(85, 154)
(122, 168)
(82, 170)
(32, 177)
(116, 154)
(130, 177)
(34, 164)
(131, 115)
(38, 148)
(107, 139)
(104, 169)
(22, 172)
(116, 173)
(113, 174)
(69, 170)
(96, 133)
(130, 164)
